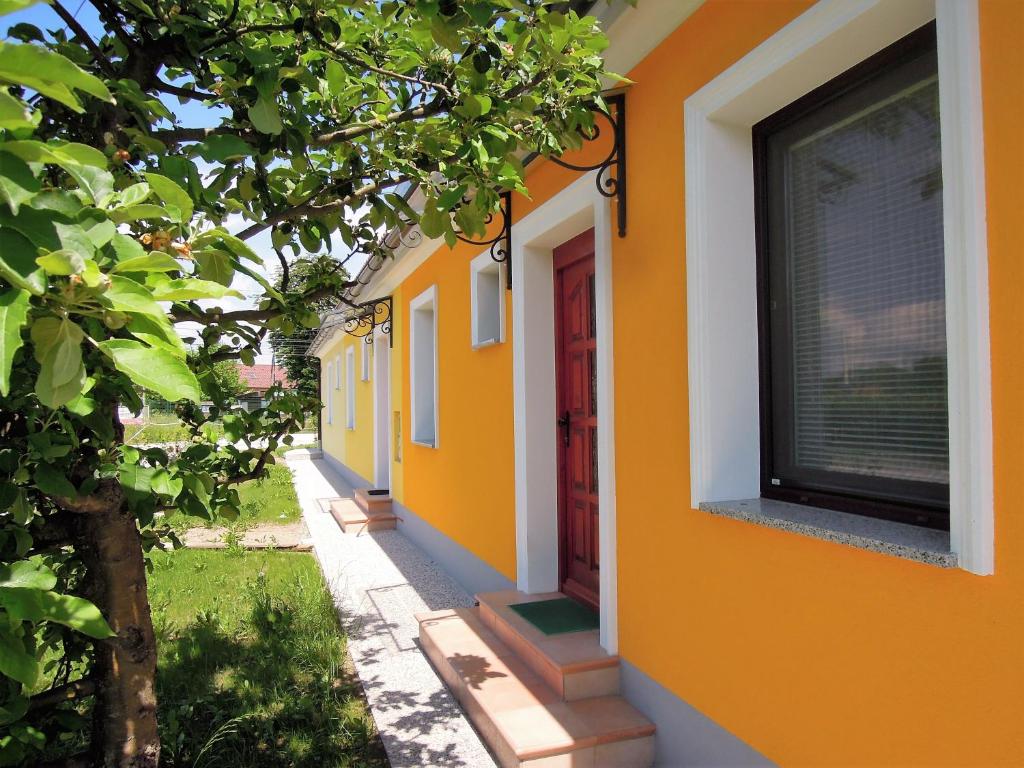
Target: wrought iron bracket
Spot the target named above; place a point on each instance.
(611, 171)
(500, 244)
(367, 318)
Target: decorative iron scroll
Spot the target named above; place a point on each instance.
(367, 318)
(611, 172)
(501, 244)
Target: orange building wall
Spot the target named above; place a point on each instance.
(813, 653)
(465, 486)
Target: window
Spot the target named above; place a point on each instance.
(487, 293)
(350, 388)
(337, 372)
(365, 361)
(852, 292)
(423, 351)
(330, 393)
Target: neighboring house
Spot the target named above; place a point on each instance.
(259, 379)
(772, 430)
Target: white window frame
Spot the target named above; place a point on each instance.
(330, 393)
(364, 362)
(486, 302)
(424, 394)
(350, 388)
(337, 372)
(828, 39)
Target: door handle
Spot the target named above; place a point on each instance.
(564, 424)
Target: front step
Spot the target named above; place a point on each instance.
(352, 519)
(371, 500)
(573, 664)
(524, 721)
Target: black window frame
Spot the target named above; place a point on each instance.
(932, 514)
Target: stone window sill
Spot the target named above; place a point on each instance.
(910, 542)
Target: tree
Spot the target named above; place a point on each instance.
(229, 381)
(114, 217)
(290, 351)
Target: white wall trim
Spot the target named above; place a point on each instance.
(573, 210)
(427, 299)
(350, 388)
(485, 264)
(381, 410)
(828, 39)
(972, 524)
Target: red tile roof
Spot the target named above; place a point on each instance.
(261, 376)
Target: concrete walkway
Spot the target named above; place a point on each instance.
(379, 581)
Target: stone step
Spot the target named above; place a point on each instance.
(352, 519)
(523, 721)
(573, 664)
(372, 502)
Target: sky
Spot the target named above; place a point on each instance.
(192, 114)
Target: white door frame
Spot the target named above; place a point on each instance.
(381, 373)
(573, 210)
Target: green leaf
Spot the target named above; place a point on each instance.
(222, 148)
(22, 604)
(62, 262)
(154, 261)
(136, 480)
(17, 182)
(97, 183)
(215, 265)
(173, 196)
(433, 221)
(157, 331)
(27, 574)
(265, 116)
(49, 73)
(13, 314)
(18, 262)
(53, 483)
(136, 212)
(220, 238)
(58, 349)
(10, 6)
(155, 369)
(76, 613)
(126, 295)
(133, 195)
(184, 289)
(475, 105)
(335, 77)
(15, 662)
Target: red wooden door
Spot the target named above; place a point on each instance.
(576, 377)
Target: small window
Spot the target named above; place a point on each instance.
(350, 388)
(423, 351)
(852, 277)
(365, 361)
(337, 372)
(329, 405)
(487, 292)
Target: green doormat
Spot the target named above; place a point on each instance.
(558, 616)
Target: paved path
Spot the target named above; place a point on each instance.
(268, 536)
(379, 580)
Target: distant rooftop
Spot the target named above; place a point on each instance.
(263, 376)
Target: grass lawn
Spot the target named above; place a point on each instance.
(268, 500)
(252, 665)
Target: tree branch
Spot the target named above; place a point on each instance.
(185, 93)
(68, 18)
(211, 316)
(349, 132)
(309, 208)
(73, 691)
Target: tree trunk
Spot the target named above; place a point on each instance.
(124, 720)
